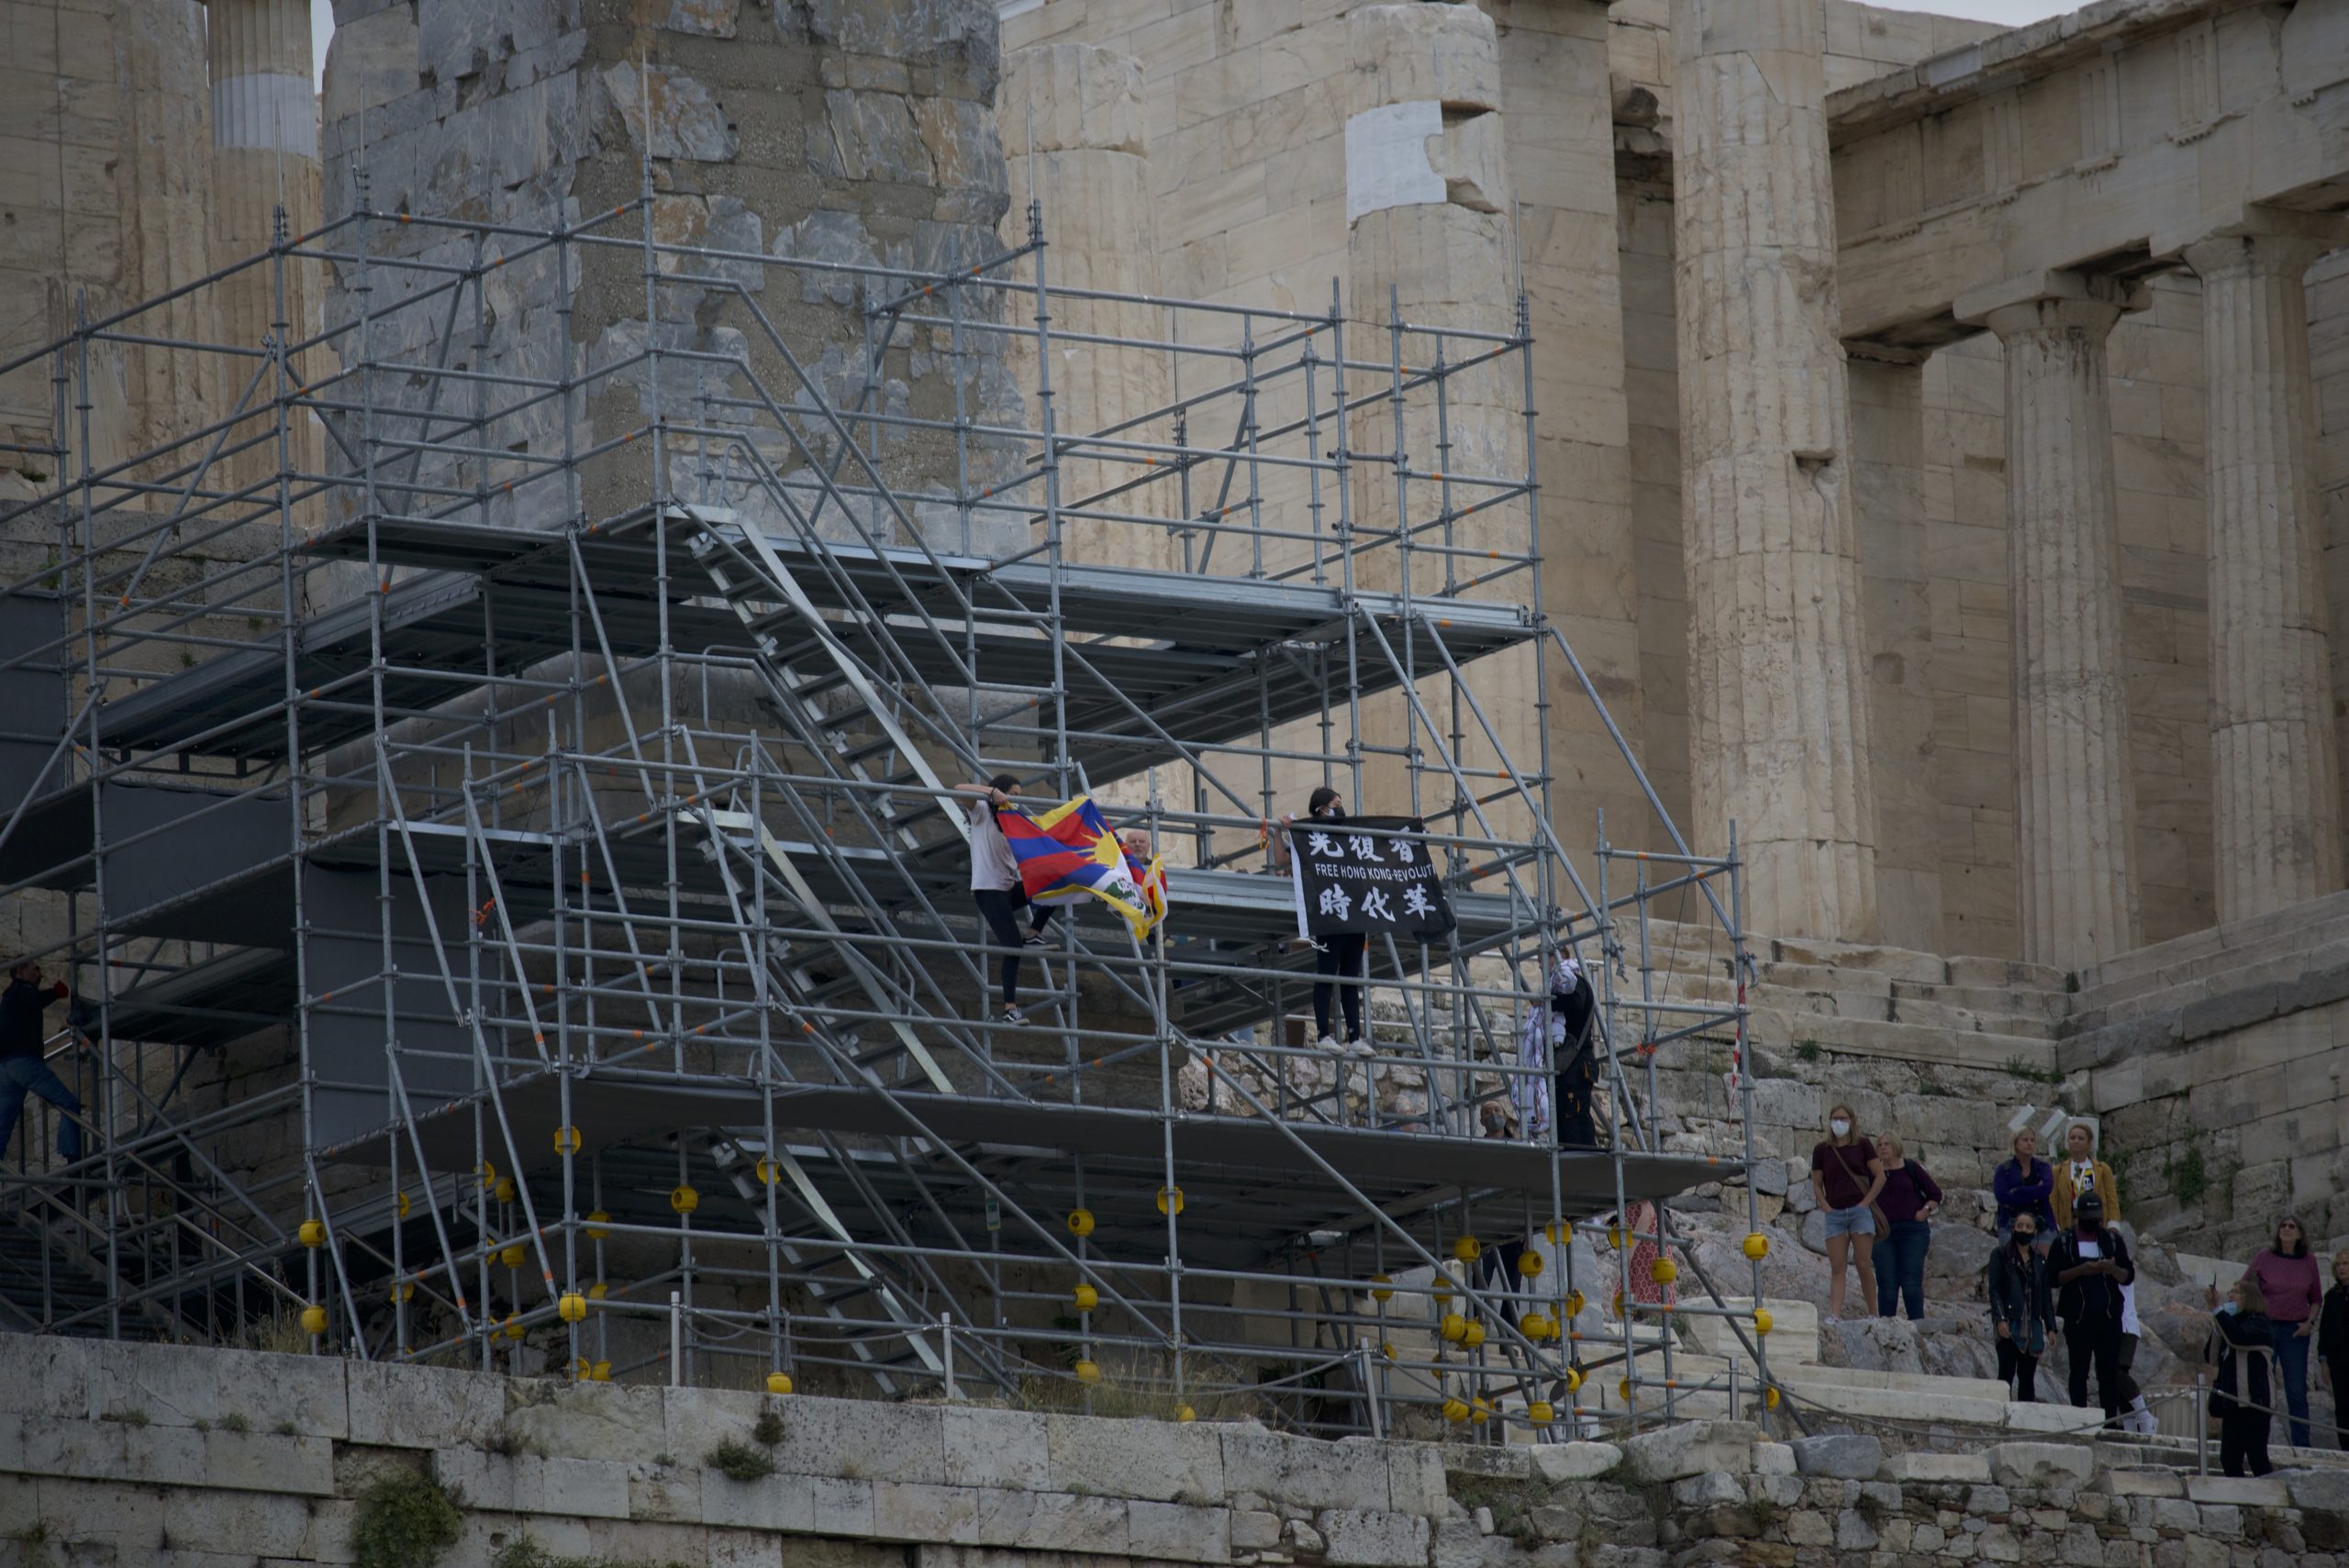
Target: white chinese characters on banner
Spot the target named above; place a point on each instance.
(1373, 877)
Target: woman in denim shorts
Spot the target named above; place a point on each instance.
(1847, 1174)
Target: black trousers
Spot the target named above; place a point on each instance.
(2095, 1341)
(2020, 1369)
(1338, 961)
(2242, 1442)
(999, 907)
(2339, 1367)
(1571, 1096)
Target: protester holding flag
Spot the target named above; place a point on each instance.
(1338, 956)
(997, 887)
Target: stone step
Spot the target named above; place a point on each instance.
(2298, 924)
(1949, 1016)
(1897, 963)
(2007, 974)
(1781, 1030)
(1992, 1001)
(2283, 970)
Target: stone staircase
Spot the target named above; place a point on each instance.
(1872, 1001)
(2290, 948)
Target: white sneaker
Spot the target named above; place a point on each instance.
(1359, 1047)
(1014, 1016)
(1327, 1044)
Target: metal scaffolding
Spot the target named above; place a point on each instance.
(551, 811)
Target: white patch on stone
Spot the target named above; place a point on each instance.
(1387, 158)
(267, 109)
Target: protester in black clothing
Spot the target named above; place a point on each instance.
(2241, 1347)
(2023, 1309)
(2333, 1345)
(1338, 957)
(1559, 1044)
(24, 1067)
(2088, 1266)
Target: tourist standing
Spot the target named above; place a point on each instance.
(2022, 1311)
(1847, 1174)
(2333, 1345)
(2293, 1289)
(1338, 957)
(2026, 1184)
(2081, 1173)
(1907, 1202)
(2239, 1346)
(24, 1063)
(996, 887)
(2091, 1263)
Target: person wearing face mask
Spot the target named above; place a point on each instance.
(2242, 1396)
(2022, 1311)
(2288, 1281)
(2081, 1172)
(2089, 1263)
(1338, 957)
(1847, 1174)
(2333, 1345)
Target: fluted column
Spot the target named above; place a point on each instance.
(1778, 719)
(1430, 237)
(264, 152)
(1072, 117)
(2275, 780)
(2076, 856)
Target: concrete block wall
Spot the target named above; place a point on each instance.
(113, 1455)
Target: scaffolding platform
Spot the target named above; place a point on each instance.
(574, 870)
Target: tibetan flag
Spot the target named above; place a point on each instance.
(1069, 853)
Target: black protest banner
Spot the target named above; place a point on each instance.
(1378, 881)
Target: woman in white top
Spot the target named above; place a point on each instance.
(996, 887)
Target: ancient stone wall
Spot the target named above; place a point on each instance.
(121, 1455)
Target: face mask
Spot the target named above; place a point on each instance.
(2025, 1237)
(2227, 1308)
(1840, 1129)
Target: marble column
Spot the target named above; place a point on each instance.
(2074, 805)
(265, 153)
(1429, 237)
(1072, 118)
(1778, 717)
(2274, 779)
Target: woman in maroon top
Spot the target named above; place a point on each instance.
(1906, 1208)
(1847, 1174)
(2290, 1279)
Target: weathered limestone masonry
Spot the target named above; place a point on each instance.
(264, 155)
(840, 130)
(113, 1455)
(2074, 795)
(1780, 723)
(1070, 118)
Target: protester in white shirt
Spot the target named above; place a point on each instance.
(996, 887)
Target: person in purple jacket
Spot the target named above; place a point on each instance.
(1909, 1200)
(2025, 1185)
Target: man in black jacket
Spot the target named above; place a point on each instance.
(23, 1066)
(2089, 1264)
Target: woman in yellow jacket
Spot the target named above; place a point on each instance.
(2081, 1172)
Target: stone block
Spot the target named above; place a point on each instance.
(396, 1405)
(1053, 1521)
(1672, 1452)
(1846, 1456)
(913, 1510)
(1556, 1462)
(176, 1388)
(2040, 1465)
(858, 1438)
(770, 1503)
(2144, 1484)
(604, 1422)
(995, 1448)
(1959, 1468)
(2240, 1491)
(1305, 1472)
(1373, 1540)
(841, 1506)
(267, 1462)
(1773, 1458)
(1415, 1482)
(2325, 1491)
(51, 1375)
(1253, 1531)
(1178, 1531)
(1709, 1490)
(1153, 1459)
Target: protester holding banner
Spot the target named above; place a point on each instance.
(1355, 878)
(1337, 955)
(995, 886)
